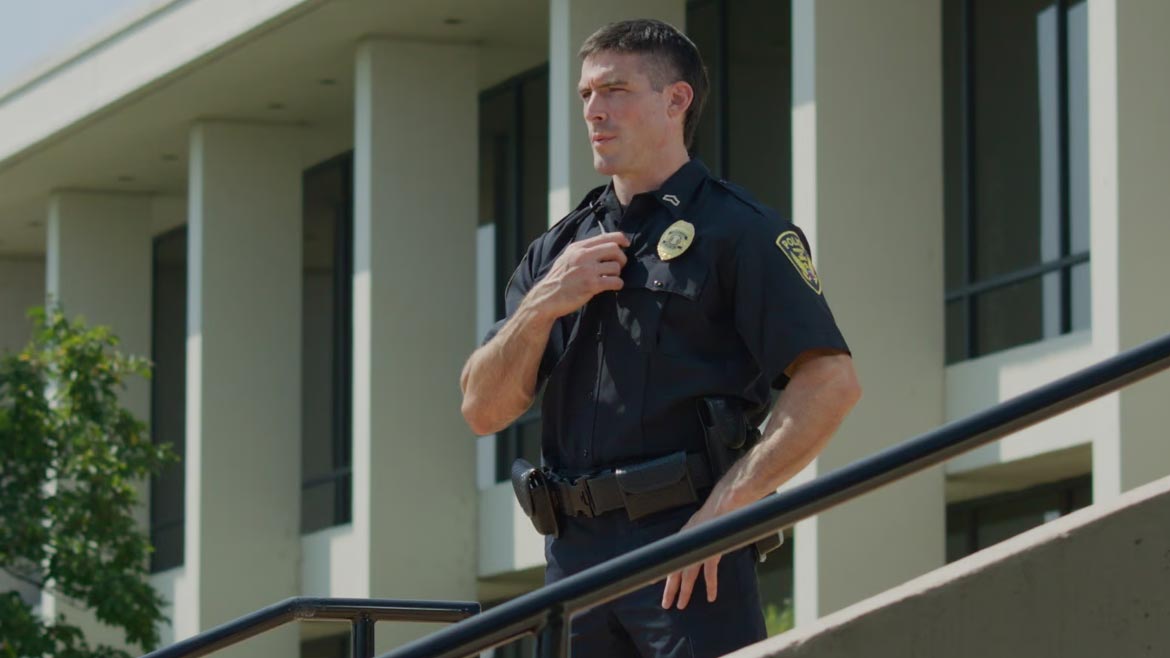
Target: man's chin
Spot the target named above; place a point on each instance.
(604, 166)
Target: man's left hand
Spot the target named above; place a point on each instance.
(682, 583)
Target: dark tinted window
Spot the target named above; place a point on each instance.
(1015, 118)
(513, 170)
(326, 354)
(168, 395)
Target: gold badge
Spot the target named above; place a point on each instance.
(793, 247)
(675, 239)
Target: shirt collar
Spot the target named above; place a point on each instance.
(678, 190)
(674, 194)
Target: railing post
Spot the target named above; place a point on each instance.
(553, 640)
(362, 637)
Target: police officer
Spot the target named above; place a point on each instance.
(660, 289)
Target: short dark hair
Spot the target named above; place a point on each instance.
(676, 58)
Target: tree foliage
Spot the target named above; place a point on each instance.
(70, 458)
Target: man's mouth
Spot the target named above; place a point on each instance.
(602, 139)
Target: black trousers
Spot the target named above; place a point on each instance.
(636, 625)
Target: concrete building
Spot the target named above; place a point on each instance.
(305, 212)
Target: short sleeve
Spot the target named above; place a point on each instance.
(522, 280)
(518, 286)
(779, 304)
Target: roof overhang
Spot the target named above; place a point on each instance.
(115, 115)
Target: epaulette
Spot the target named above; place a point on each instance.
(743, 195)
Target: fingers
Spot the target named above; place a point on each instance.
(711, 574)
(690, 575)
(603, 253)
(681, 584)
(671, 589)
(609, 268)
(615, 237)
(608, 283)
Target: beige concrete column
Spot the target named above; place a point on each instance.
(1143, 232)
(570, 159)
(242, 547)
(22, 286)
(415, 206)
(867, 189)
(98, 265)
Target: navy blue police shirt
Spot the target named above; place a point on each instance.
(622, 376)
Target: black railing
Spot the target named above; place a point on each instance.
(361, 614)
(547, 611)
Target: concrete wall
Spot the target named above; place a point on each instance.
(98, 266)
(22, 286)
(1143, 170)
(243, 447)
(1094, 583)
(866, 86)
(414, 321)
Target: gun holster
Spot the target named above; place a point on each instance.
(729, 436)
(535, 494)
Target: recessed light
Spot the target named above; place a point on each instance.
(327, 82)
(276, 106)
(35, 223)
(169, 157)
(125, 178)
(452, 21)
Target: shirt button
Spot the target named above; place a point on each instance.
(657, 284)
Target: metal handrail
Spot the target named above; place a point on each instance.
(360, 613)
(548, 610)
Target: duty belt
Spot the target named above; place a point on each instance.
(640, 489)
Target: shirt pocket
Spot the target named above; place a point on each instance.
(661, 305)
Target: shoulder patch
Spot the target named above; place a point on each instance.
(790, 243)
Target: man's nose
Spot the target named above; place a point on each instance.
(594, 109)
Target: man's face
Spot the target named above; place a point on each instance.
(629, 122)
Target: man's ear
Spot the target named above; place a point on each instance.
(680, 95)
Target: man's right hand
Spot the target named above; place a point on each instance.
(580, 272)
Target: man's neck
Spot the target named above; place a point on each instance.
(625, 186)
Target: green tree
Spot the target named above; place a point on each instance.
(779, 618)
(70, 455)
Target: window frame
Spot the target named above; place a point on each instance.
(969, 510)
(972, 287)
(341, 387)
(511, 233)
(156, 527)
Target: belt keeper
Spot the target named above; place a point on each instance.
(580, 502)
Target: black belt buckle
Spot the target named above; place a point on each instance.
(656, 485)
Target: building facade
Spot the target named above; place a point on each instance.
(305, 212)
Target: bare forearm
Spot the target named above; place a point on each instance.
(499, 380)
(805, 417)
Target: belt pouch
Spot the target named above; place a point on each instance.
(534, 494)
(656, 485)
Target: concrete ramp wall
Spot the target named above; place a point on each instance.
(1094, 584)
